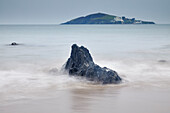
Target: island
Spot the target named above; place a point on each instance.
(102, 18)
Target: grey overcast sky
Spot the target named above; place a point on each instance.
(58, 11)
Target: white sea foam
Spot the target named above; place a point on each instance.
(30, 78)
(141, 72)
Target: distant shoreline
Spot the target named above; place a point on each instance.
(102, 18)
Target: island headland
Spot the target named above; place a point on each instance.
(102, 18)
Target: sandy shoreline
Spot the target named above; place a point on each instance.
(96, 100)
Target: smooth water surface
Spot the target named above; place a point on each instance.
(31, 80)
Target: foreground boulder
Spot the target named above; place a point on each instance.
(81, 63)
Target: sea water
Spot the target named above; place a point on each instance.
(30, 73)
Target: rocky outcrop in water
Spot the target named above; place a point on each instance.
(81, 63)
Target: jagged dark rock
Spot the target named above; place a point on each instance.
(81, 63)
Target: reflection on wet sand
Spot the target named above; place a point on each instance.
(102, 99)
(85, 100)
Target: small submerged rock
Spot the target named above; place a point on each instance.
(53, 71)
(81, 63)
(14, 44)
(162, 61)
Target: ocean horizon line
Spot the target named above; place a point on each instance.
(74, 24)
